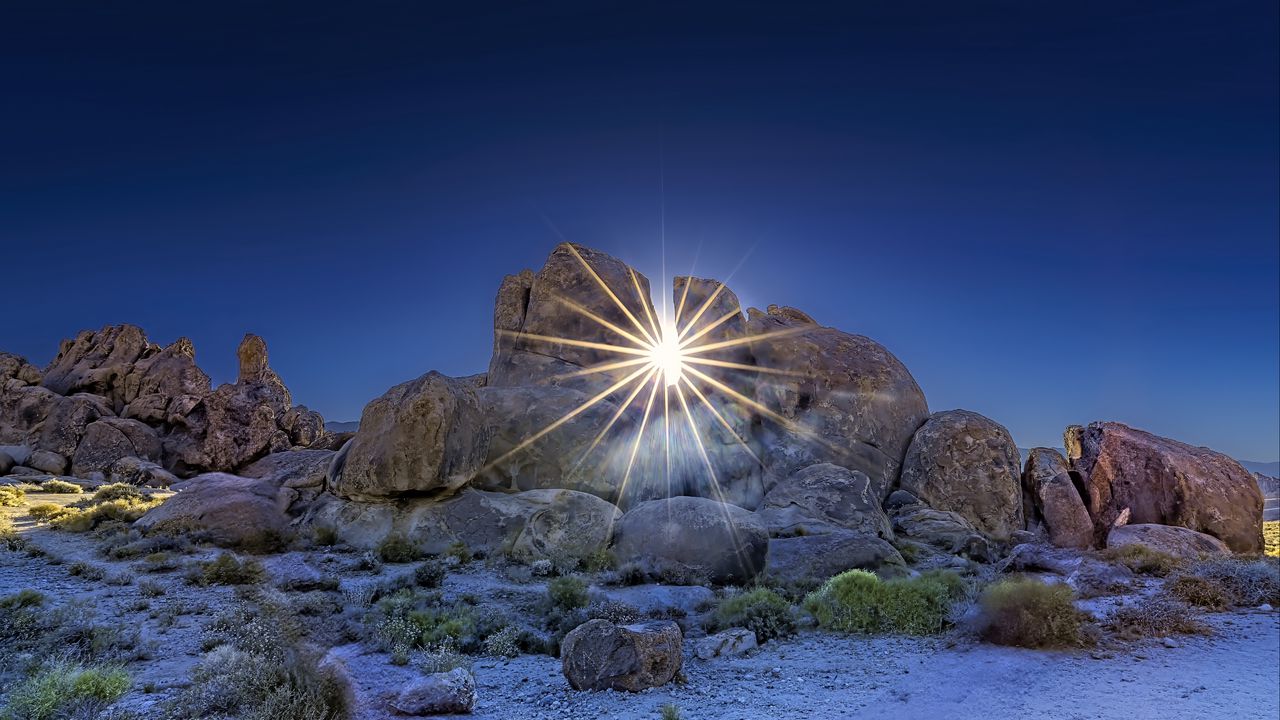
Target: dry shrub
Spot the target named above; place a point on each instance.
(60, 487)
(11, 496)
(1244, 582)
(1143, 560)
(1198, 591)
(1155, 617)
(1271, 538)
(1025, 612)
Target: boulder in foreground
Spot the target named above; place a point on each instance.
(599, 655)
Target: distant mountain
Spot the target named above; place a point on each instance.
(339, 427)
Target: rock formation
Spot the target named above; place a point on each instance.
(1051, 495)
(1165, 482)
(112, 404)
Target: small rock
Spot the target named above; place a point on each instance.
(438, 693)
(730, 643)
(1171, 643)
(1265, 607)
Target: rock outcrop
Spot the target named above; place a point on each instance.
(111, 394)
(962, 462)
(1165, 482)
(822, 498)
(227, 509)
(599, 655)
(1176, 541)
(1051, 492)
(691, 539)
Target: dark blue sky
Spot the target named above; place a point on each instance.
(1052, 213)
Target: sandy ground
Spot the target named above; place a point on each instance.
(1232, 675)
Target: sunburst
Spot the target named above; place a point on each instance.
(662, 359)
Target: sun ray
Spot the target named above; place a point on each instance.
(565, 418)
(747, 340)
(605, 323)
(684, 295)
(738, 366)
(612, 296)
(740, 397)
(575, 343)
(706, 304)
(719, 321)
(604, 367)
(714, 411)
(635, 447)
(653, 323)
(622, 408)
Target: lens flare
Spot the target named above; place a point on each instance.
(668, 356)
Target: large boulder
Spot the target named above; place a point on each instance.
(962, 462)
(692, 540)
(226, 509)
(48, 461)
(945, 530)
(599, 655)
(421, 436)
(1176, 541)
(1052, 495)
(572, 526)
(16, 367)
(66, 421)
(164, 387)
(844, 399)
(109, 439)
(811, 559)
(136, 471)
(821, 498)
(1165, 482)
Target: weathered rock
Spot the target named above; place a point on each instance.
(47, 461)
(655, 599)
(136, 471)
(292, 468)
(305, 427)
(97, 362)
(232, 426)
(945, 530)
(814, 558)
(424, 435)
(16, 367)
(692, 539)
(1176, 541)
(438, 694)
(599, 655)
(962, 462)
(733, 642)
(66, 422)
(847, 401)
(227, 509)
(572, 526)
(162, 388)
(1166, 482)
(6, 462)
(823, 497)
(109, 439)
(1052, 488)
(1086, 574)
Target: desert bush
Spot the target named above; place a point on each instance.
(46, 511)
(275, 683)
(153, 544)
(24, 598)
(1245, 582)
(1154, 617)
(763, 611)
(88, 518)
(670, 711)
(398, 549)
(858, 601)
(1143, 560)
(411, 619)
(120, 578)
(503, 644)
(118, 491)
(150, 588)
(61, 487)
(429, 574)
(61, 690)
(1025, 612)
(1271, 538)
(599, 560)
(1197, 591)
(226, 569)
(460, 552)
(86, 571)
(9, 537)
(11, 496)
(324, 535)
(567, 593)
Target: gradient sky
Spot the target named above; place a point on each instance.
(1051, 212)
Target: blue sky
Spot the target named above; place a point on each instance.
(1051, 213)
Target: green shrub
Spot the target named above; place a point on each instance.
(670, 711)
(429, 574)
(460, 552)
(61, 487)
(264, 682)
(86, 571)
(324, 535)
(26, 598)
(503, 644)
(226, 569)
(567, 593)
(858, 601)
(46, 511)
(1025, 612)
(599, 561)
(150, 588)
(86, 519)
(1154, 617)
(66, 690)
(398, 549)
(118, 491)
(1243, 582)
(762, 611)
(1143, 560)
(11, 496)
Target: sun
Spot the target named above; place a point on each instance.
(667, 356)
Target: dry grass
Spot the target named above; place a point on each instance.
(1025, 612)
(1243, 582)
(1143, 560)
(1155, 617)
(1271, 537)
